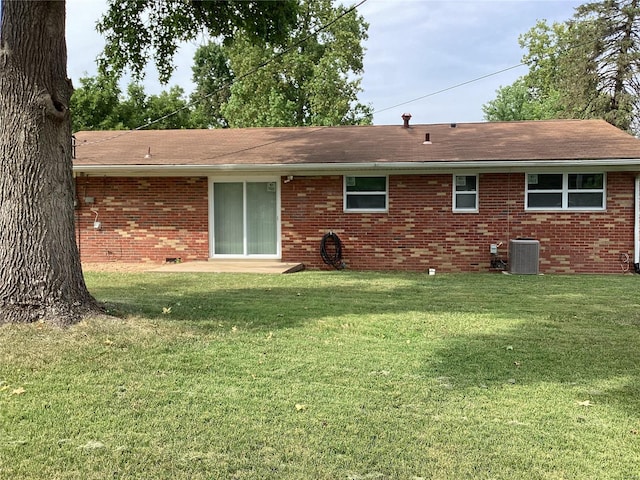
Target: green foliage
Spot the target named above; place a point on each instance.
(584, 68)
(133, 107)
(168, 110)
(538, 94)
(313, 82)
(244, 81)
(94, 104)
(213, 78)
(138, 30)
(546, 47)
(98, 105)
(518, 101)
(329, 375)
(605, 61)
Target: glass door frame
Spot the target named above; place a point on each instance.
(244, 181)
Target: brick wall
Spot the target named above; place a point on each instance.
(420, 231)
(142, 219)
(152, 219)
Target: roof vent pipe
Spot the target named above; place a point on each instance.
(406, 117)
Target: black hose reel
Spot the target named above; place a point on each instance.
(331, 250)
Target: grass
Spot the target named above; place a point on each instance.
(334, 375)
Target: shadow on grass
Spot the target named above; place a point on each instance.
(258, 301)
(561, 329)
(596, 358)
(270, 301)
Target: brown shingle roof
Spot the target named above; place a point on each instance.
(466, 142)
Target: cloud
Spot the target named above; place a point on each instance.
(415, 47)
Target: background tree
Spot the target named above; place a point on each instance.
(168, 110)
(604, 62)
(519, 101)
(98, 105)
(584, 68)
(315, 82)
(538, 94)
(131, 111)
(94, 105)
(213, 78)
(40, 272)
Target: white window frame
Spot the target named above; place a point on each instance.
(455, 193)
(364, 210)
(211, 219)
(565, 191)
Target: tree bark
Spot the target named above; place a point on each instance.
(40, 273)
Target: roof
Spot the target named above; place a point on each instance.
(297, 148)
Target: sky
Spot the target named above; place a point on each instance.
(415, 49)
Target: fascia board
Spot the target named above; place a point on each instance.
(332, 168)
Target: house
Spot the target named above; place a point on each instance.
(402, 197)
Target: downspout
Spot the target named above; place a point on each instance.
(636, 227)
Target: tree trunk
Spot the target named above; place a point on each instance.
(40, 272)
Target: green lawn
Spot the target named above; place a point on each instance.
(330, 375)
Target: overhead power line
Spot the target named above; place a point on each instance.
(451, 88)
(288, 49)
(258, 67)
(253, 71)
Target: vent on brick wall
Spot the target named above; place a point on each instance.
(524, 256)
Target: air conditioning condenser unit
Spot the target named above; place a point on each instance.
(524, 256)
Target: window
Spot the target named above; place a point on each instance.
(565, 191)
(465, 193)
(365, 194)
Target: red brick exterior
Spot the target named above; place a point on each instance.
(421, 231)
(153, 219)
(142, 219)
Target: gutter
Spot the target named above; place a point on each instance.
(324, 168)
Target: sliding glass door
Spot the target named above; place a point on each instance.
(245, 218)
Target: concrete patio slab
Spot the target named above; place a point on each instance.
(230, 266)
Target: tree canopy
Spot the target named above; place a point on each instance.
(604, 62)
(213, 78)
(313, 80)
(98, 104)
(586, 67)
(536, 95)
(139, 30)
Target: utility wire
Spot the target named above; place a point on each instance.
(522, 64)
(451, 87)
(243, 76)
(289, 49)
(255, 69)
